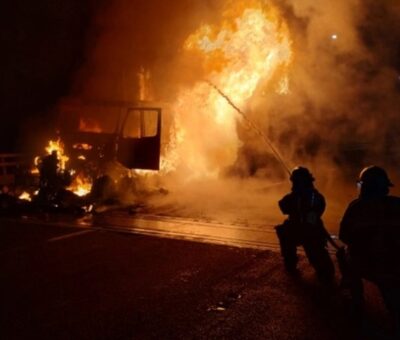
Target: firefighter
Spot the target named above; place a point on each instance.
(304, 227)
(371, 230)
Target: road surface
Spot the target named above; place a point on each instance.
(63, 281)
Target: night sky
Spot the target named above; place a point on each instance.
(42, 44)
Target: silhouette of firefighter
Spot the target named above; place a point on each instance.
(52, 179)
(304, 227)
(371, 230)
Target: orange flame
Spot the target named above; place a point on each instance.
(82, 146)
(81, 185)
(25, 196)
(59, 147)
(251, 46)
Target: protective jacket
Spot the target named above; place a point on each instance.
(305, 209)
(371, 229)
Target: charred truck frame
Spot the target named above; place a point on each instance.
(99, 132)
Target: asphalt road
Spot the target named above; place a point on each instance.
(60, 282)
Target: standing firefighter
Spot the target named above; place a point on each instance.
(304, 226)
(371, 229)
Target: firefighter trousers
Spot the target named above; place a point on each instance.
(315, 250)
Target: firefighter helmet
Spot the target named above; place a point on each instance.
(300, 173)
(374, 175)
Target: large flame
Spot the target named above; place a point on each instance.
(250, 46)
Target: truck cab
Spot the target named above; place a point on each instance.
(129, 133)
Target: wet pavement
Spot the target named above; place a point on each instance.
(239, 235)
(65, 282)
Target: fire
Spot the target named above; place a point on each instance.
(82, 146)
(81, 185)
(59, 147)
(251, 46)
(25, 196)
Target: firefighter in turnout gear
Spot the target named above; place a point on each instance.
(371, 230)
(304, 227)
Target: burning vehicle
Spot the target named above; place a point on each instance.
(105, 141)
(98, 138)
(97, 148)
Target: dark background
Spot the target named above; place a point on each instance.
(42, 45)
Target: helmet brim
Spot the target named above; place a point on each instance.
(389, 184)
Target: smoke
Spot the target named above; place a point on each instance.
(344, 90)
(341, 112)
(130, 36)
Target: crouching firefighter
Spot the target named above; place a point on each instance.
(304, 227)
(371, 230)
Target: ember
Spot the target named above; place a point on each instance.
(25, 196)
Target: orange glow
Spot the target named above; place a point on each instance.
(59, 147)
(25, 196)
(89, 125)
(82, 146)
(251, 46)
(144, 78)
(81, 185)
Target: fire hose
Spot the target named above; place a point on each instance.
(251, 124)
(269, 144)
